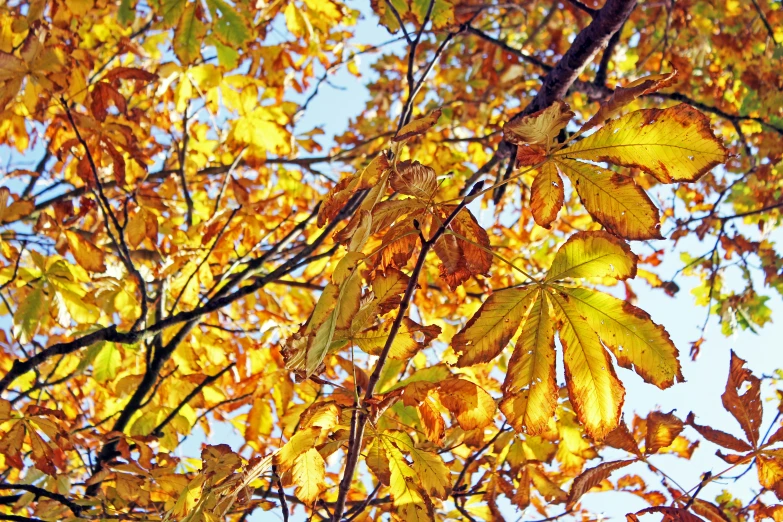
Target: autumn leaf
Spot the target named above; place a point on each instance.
(744, 407)
(471, 405)
(624, 95)
(591, 478)
(417, 127)
(488, 332)
(414, 179)
(634, 339)
(662, 429)
(596, 392)
(547, 195)
(593, 254)
(86, 254)
(309, 473)
(541, 127)
(674, 144)
(614, 200)
(530, 388)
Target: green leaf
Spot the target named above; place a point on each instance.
(107, 363)
(230, 27)
(188, 36)
(126, 14)
(29, 313)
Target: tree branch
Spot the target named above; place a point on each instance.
(359, 417)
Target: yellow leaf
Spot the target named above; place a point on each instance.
(417, 127)
(530, 388)
(404, 345)
(377, 462)
(614, 200)
(309, 474)
(432, 472)
(86, 254)
(492, 327)
(596, 393)
(302, 441)
(635, 340)
(674, 144)
(546, 195)
(471, 405)
(541, 127)
(593, 254)
(403, 485)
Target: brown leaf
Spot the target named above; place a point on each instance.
(662, 429)
(622, 96)
(621, 438)
(103, 95)
(670, 514)
(463, 259)
(709, 511)
(414, 179)
(746, 407)
(721, 438)
(591, 478)
(471, 405)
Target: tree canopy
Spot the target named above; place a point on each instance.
(420, 311)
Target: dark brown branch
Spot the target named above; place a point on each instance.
(606, 58)
(183, 151)
(39, 168)
(359, 417)
(582, 7)
(586, 44)
(511, 50)
(280, 494)
(763, 17)
(108, 216)
(399, 21)
(40, 492)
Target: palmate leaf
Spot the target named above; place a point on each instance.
(587, 321)
(673, 145)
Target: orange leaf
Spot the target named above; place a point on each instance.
(546, 196)
(662, 429)
(86, 254)
(417, 127)
(471, 405)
